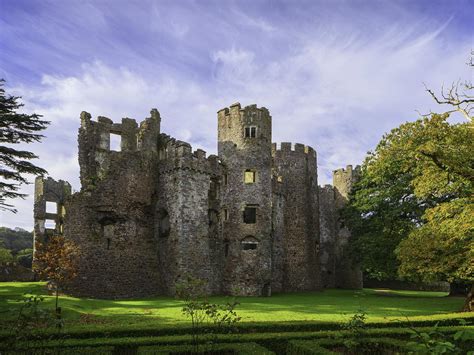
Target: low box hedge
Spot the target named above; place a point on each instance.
(242, 328)
(273, 341)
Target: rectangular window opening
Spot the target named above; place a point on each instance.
(249, 176)
(51, 207)
(50, 224)
(250, 215)
(226, 214)
(250, 132)
(249, 245)
(115, 142)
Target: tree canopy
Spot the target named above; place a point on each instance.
(16, 128)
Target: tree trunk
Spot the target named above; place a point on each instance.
(469, 303)
(57, 296)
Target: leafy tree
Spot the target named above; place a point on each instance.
(5, 256)
(16, 128)
(16, 239)
(57, 261)
(383, 207)
(412, 212)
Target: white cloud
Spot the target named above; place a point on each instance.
(336, 94)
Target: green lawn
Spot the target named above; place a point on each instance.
(325, 306)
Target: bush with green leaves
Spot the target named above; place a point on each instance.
(222, 317)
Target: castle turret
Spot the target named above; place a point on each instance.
(348, 272)
(296, 171)
(244, 146)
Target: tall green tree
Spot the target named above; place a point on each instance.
(412, 211)
(16, 128)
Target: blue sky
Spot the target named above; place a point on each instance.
(334, 74)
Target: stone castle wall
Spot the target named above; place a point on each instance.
(156, 211)
(248, 260)
(348, 273)
(296, 171)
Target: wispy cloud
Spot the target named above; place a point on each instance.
(334, 76)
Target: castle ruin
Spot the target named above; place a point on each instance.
(250, 221)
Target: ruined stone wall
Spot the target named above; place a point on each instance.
(328, 231)
(348, 272)
(190, 242)
(49, 222)
(297, 172)
(111, 219)
(248, 249)
(250, 221)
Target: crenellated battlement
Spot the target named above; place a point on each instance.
(289, 148)
(236, 109)
(347, 170)
(133, 136)
(175, 154)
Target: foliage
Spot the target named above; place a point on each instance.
(435, 341)
(57, 260)
(15, 239)
(356, 327)
(447, 240)
(5, 256)
(25, 258)
(16, 128)
(417, 184)
(201, 312)
(30, 320)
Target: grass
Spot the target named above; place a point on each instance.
(326, 306)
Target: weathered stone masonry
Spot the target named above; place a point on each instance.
(250, 221)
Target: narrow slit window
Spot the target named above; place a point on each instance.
(249, 176)
(115, 142)
(226, 214)
(226, 248)
(253, 132)
(250, 215)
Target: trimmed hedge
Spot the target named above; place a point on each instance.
(362, 345)
(237, 349)
(323, 346)
(273, 341)
(441, 320)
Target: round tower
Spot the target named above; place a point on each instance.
(244, 147)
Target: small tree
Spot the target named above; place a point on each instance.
(16, 128)
(57, 261)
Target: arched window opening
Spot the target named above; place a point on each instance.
(249, 243)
